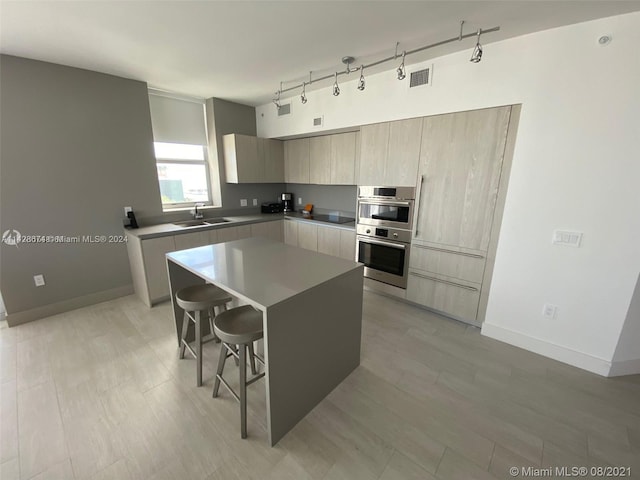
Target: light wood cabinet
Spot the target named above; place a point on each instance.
(320, 160)
(460, 164)
(249, 159)
(272, 230)
(348, 244)
(343, 158)
(374, 144)
(155, 266)
(390, 152)
(191, 240)
(291, 233)
(454, 297)
(456, 264)
(329, 241)
(296, 160)
(308, 236)
(403, 153)
(272, 151)
(227, 234)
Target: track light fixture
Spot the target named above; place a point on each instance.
(361, 81)
(402, 73)
(476, 56)
(401, 70)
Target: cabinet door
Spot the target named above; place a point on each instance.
(191, 240)
(291, 233)
(273, 155)
(308, 236)
(276, 230)
(460, 165)
(374, 144)
(343, 158)
(260, 229)
(155, 266)
(227, 234)
(403, 154)
(241, 161)
(329, 241)
(348, 244)
(320, 160)
(244, 231)
(459, 299)
(296, 160)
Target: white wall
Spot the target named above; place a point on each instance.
(575, 167)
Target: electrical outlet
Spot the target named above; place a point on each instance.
(255, 202)
(299, 200)
(243, 202)
(127, 210)
(549, 311)
(38, 280)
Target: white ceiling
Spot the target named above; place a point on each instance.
(240, 51)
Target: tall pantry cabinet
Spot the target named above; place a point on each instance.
(461, 179)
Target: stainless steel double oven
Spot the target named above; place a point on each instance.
(384, 226)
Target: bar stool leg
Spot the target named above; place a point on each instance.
(243, 390)
(199, 347)
(183, 337)
(252, 359)
(221, 361)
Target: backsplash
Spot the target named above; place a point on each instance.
(325, 198)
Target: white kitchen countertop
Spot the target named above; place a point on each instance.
(262, 272)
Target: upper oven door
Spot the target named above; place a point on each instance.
(396, 214)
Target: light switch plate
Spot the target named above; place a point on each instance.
(243, 202)
(567, 238)
(549, 311)
(255, 202)
(38, 280)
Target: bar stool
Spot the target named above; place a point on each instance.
(239, 327)
(194, 300)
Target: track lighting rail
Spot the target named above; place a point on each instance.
(349, 70)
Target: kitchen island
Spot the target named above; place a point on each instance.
(312, 315)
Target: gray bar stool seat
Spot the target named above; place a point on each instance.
(238, 328)
(194, 300)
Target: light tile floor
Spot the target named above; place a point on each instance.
(98, 393)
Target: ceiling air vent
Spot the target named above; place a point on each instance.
(421, 77)
(285, 109)
(317, 122)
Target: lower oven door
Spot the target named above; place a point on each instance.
(384, 261)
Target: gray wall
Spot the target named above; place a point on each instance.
(628, 347)
(75, 148)
(326, 197)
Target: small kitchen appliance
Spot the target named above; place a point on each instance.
(286, 199)
(271, 208)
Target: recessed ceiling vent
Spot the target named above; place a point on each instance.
(285, 109)
(421, 77)
(317, 122)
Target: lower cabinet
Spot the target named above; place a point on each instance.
(155, 267)
(446, 279)
(272, 230)
(337, 242)
(452, 296)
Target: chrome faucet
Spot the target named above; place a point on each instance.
(196, 214)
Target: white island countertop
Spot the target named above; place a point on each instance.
(260, 271)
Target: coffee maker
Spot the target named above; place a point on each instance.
(286, 199)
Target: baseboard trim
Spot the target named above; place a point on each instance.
(625, 367)
(25, 316)
(562, 354)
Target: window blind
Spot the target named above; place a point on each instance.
(177, 121)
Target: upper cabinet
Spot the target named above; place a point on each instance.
(325, 160)
(250, 159)
(460, 165)
(296, 160)
(390, 153)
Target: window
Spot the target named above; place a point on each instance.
(180, 142)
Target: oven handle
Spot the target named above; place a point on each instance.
(417, 215)
(374, 201)
(399, 246)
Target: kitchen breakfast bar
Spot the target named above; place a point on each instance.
(311, 307)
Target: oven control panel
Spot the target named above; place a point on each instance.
(394, 234)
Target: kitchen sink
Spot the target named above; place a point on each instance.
(199, 223)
